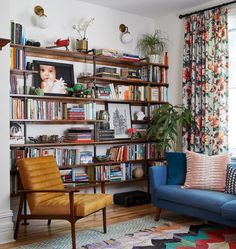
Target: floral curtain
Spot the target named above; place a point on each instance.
(205, 80)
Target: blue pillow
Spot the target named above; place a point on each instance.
(176, 168)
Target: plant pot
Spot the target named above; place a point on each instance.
(82, 45)
(154, 58)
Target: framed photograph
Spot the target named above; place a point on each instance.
(53, 77)
(120, 119)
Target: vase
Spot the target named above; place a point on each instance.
(154, 58)
(82, 45)
(138, 173)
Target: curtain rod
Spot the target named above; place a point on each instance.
(214, 7)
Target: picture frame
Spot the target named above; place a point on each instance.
(119, 119)
(53, 77)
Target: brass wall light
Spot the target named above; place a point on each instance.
(125, 36)
(42, 19)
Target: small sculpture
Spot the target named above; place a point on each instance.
(61, 43)
(140, 115)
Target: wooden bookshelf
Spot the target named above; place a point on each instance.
(91, 58)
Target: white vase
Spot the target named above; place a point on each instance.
(154, 58)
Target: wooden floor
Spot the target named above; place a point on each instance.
(38, 230)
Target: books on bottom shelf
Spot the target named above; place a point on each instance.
(116, 173)
(76, 174)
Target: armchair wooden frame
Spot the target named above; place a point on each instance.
(72, 218)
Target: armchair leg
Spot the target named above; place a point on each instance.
(158, 213)
(104, 220)
(73, 234)
(49, 222)
(19, 216)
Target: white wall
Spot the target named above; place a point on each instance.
(5, 213)
(103, 33)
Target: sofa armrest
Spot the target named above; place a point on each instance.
(157, 176)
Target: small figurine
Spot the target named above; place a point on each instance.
(61, 43)
(140, 115)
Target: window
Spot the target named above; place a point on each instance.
(232, 83)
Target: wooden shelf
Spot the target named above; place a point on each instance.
(76, 99)
(60, 54)
(57, 121)
(3, 42)
(18, 71)
(129, 141)
(140, 121)
(123, 81)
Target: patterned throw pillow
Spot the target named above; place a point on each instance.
(206, 172)
(231, 180)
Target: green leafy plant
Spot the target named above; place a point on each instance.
(167, 123)
(151, 43)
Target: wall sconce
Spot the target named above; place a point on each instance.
(42, 19)
(125, 36)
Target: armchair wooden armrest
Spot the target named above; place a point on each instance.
(102, 182)
(49, 191)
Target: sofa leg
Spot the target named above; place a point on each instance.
(158, 213)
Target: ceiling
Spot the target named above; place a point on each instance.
(148, 8)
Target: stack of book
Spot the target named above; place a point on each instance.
(107, 72)
(130, 57)
(66, 175)
(105, 135)
(107, 52)
(85, 111)
(79, 134)
(103, 92)
(77, 175)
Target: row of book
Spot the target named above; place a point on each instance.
(154, 74)
(154, 151)
(18, 59)
(52, 110)
(65, 157)
(127, 152)
(119, 172)
(17, 33)
(79, 134)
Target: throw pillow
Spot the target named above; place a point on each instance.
(176, 168)
(206, 172)
(231, 180)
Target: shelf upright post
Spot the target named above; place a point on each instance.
(25, 124)
(95, 123)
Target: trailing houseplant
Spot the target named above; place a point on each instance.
(152, 45)
(167, 123)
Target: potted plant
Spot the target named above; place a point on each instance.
(152, 45)
(82, 42)
(167, 123)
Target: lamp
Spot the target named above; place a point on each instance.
(42, 19)
(125, 36)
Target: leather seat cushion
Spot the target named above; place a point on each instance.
(85, 204)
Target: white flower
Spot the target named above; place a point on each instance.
(82, 27)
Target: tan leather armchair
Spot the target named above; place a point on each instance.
(48, 199)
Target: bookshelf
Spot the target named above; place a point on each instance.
(20, 105)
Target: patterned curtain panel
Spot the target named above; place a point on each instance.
(205, 80)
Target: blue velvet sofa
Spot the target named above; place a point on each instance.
(214, 206)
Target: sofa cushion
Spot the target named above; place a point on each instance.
(204, 199)
(230, 187)
(228, 210)
(206, 172)
(176, 168)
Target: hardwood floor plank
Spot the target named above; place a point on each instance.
(38, 230)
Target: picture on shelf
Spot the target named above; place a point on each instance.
(53, 77)
(120, 119)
